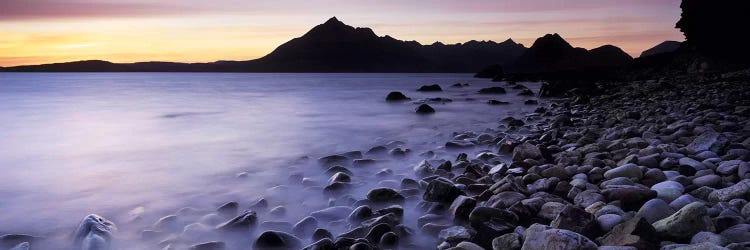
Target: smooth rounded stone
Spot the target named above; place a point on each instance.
(703, 142)
(338, 169)
(699, 246)
(627, 171)
(242, 222)
(360, 246)
(21, 246)
(526, 151)
(737, 233)
(332, 213)
(259, 205)
(360, 214)
(609, 209)
(654, 210)
(635, 232)
(441, 190)
(461, 208)
(454, 234)
(396, 96)
(377, 231)
(550, 210)
(630, 197)
(277, 240)
(686, 222)
(427, 88)
(741, 190)
(683, 200)
(689, 166)
(728, 167)
(668, 190)
(196, 231)
(213, 245)
(505, 199)
(709, 237)
(385, 172)
(170, 223)
(424, 109)
(93, 233)
(422, 169)
(459, 144)
(321, 244)
(556, 171)
(305, 226)
(651, 161)
(321, 233)
(336, 188)
(509, 241)
(333, 160)
(595, 207)
(608, 221)
(466, 245)
(278, 211)
(710, 180)
(385, 195)
(340, 177)
(389, 240)
(539, 238)
(746, 211)
(653, 176)
(228, 210)
(588, 197)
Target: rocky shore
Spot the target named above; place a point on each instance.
(659, 164)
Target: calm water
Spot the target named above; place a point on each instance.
(74, 143)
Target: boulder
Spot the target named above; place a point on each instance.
(441, 190)
(396, 96)
(636, 232)
(277, 240)
(686, 222)
(741, 190)
(424, 109)
(462, 207)
(668, 190)
(654, 210)
(509, 241)
(94, 233)
(539, 238)
(430, 88)
(577, 220)
(385, 195)
(627, 171)
(526, 151)
(245, 221)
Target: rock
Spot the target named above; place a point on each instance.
(321, 233)
(531, 102)
(242, 222)
(728, 167)
(213, 245)
(94, 233)
(461, 208)
(654, 210)
(496, 102)
(332, 160)
(686, 222)
(709, 237)
(454, 234)
(741, 190)
(555, 239)
(385, 195)
(425, 109)
(737, 233)
(627, 171)
(332, 213)
(608, 221)
(587, 197)
(340, 177)
(526, 151)
(389, 240)
(321, 244)
(21, 246)
(228, 210)
(526, 92)
(509, 241)
(630, 197)
(396, 96)
(703, 142)
(305, 227)
(710, 180)
(689, 167)
(459, 144)
(492, 90)
(13, 240)
(277, 240)
(278, 211)
(550, 210)
(360, 214)
(429, 88)
(467, 245)
(577, 220)
(636, 232)
(441, 190)
(668, 190)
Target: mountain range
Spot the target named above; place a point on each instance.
(336, 47)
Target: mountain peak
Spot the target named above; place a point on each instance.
(551, 40)
(333, 20)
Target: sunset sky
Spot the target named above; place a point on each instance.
(45, 31)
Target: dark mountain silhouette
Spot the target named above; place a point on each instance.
(551, 53)
(330, 47)
(664, 47)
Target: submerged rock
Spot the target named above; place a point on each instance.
(429, 88)
(492, 90)
(396, 96)
(94, 233)
(425, 109)
(272, 240)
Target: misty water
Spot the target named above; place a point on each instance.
(134, 147)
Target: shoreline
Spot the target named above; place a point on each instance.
(578, 179)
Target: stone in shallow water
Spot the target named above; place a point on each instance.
(424, 109)
(213, 245)
(242, 222)
(441, 190)
(332, 213)
(277, 240)
(94, 233)
(396, 96)
(492, 90)
(427, 88)
(385, 195)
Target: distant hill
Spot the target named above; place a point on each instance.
(552, 53)
(329, 47)
(664, 47)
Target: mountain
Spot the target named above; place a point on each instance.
(664, 47)
(330, 47)
(551, 53)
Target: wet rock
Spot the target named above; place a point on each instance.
(550, 210)
(710, 180)
(509, 241)
(94, 233)
(636, 232)
(709, 237)
(686, 222)
(321, 233)
(741, 190)
(389, 240)
(228, 210)
(526, 151)
(333, 160)
(385, 195)
(608, 221)
(321, 244)
(12, 240)
(737, 233)
(277, 240)
(396, 96)
(305, 227)
(213, 245)
(496, 102)
(425, 109)
(467, 245)
(588, 197)
(531, 102)
(360, 214)
(538, 238)
(429, 88)
(492, 90)
(627, 171)
(461, 208)
(454, 234)
(441, 190)
(577, 220)
(243, 222)
(459, 144)
(631, 197)
(332, 213)
(340, 177)
(278, 211)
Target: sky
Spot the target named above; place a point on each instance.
(47, 31)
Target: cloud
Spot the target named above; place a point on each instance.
(20, 10)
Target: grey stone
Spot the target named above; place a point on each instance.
(686, 222)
